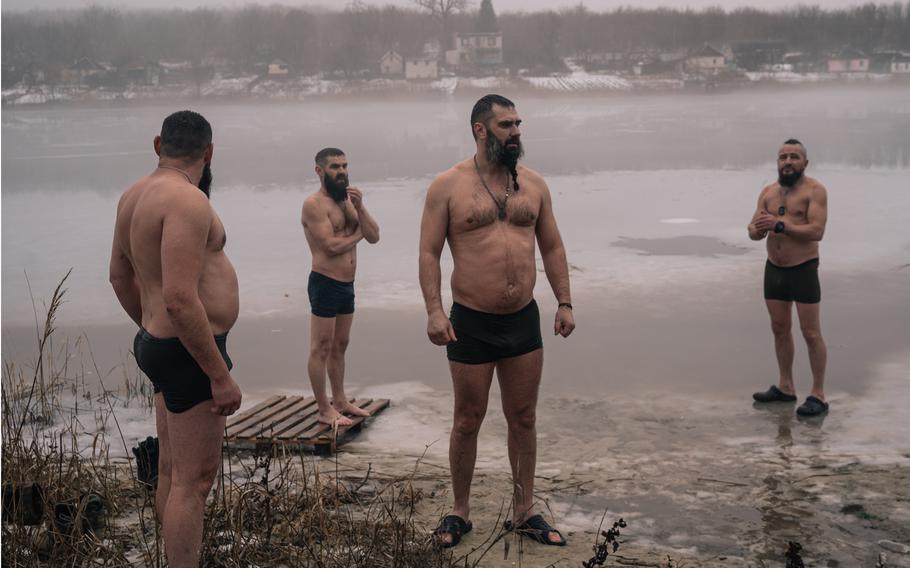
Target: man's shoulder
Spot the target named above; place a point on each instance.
(533, 176)
(815, 186)
(447, 181)
(315, 201)
(773, 186)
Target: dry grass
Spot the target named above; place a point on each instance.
(274, 508)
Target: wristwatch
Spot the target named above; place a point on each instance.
(779, 227)
(564, 305)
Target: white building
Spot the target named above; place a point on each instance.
(391, 63)
(706, 60)
(421, 68)
(476, 49)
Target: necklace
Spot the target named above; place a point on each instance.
(782, 210)
(500, 206)
(186, 175)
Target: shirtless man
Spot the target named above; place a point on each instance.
(334, 221)
(170, 274)
(490, 209)
(792, 213)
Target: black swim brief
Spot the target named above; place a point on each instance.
(484, 337)
(330, 297)
(793, 283)
(173, 371)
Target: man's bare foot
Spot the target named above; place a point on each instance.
(334, 418)
(345, 406)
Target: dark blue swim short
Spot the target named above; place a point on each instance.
(485, 338)
(173, 371)
(330, 297)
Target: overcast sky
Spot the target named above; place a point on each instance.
(499, 5)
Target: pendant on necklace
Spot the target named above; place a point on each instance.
(502, 213)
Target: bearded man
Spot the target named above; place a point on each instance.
(172, 277)
(334, 220)
(792, 213)
(491, 210)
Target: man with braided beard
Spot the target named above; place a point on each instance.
(491, 210)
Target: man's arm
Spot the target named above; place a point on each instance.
(317, 222)
(816, 215)
(552, 250)
(184, 235)
(433, 228)
(368, 226)
(760, 219)
(554, 263)
(123, 280)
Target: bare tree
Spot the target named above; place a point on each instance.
(442, 10)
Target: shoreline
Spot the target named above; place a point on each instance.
(290, 93)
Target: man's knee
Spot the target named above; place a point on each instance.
(811, 333)
(339, 346)
(467, 424)
(780, 328)
(197, 480)
(320, 348)
(522, 419)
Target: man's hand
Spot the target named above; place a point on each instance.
(565, 322)
(226, 396)
(439, 329)
(764, 222)
(356, 197)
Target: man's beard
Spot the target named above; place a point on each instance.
(788, 180)
(205, 182)
(499, 152)
(336, 187)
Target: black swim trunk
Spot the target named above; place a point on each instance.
(330, 297)
(173, 371)
(484, 337)
(793, 283)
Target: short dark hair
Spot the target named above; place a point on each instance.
(795, 142)
(185, 134)
(323, 155)
(483, 109)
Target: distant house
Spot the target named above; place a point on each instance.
(475, 50)
(148, 74)
(421, 68)
(758, 54)
(800, 62)
(278, 69)
(900, 64)
(391, 63)
(605, 60)
(184, 73)
(83, 72)
(705, 60)
(849, 61)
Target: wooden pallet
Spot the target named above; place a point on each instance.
(291, 421)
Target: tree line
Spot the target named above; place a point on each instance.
(313, 40)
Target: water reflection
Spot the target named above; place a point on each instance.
(257, 145)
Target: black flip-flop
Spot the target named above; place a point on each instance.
(774, 394)
(538, 529)
(453, 525)
(813, 406)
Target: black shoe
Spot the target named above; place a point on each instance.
(774, 394)
(813, 406)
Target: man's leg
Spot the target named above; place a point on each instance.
(321, 332)
(472, 390)
(340, 340)
(195, 438)
(781, 321)
(810, 325)
(164, 458)
(519, 382)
